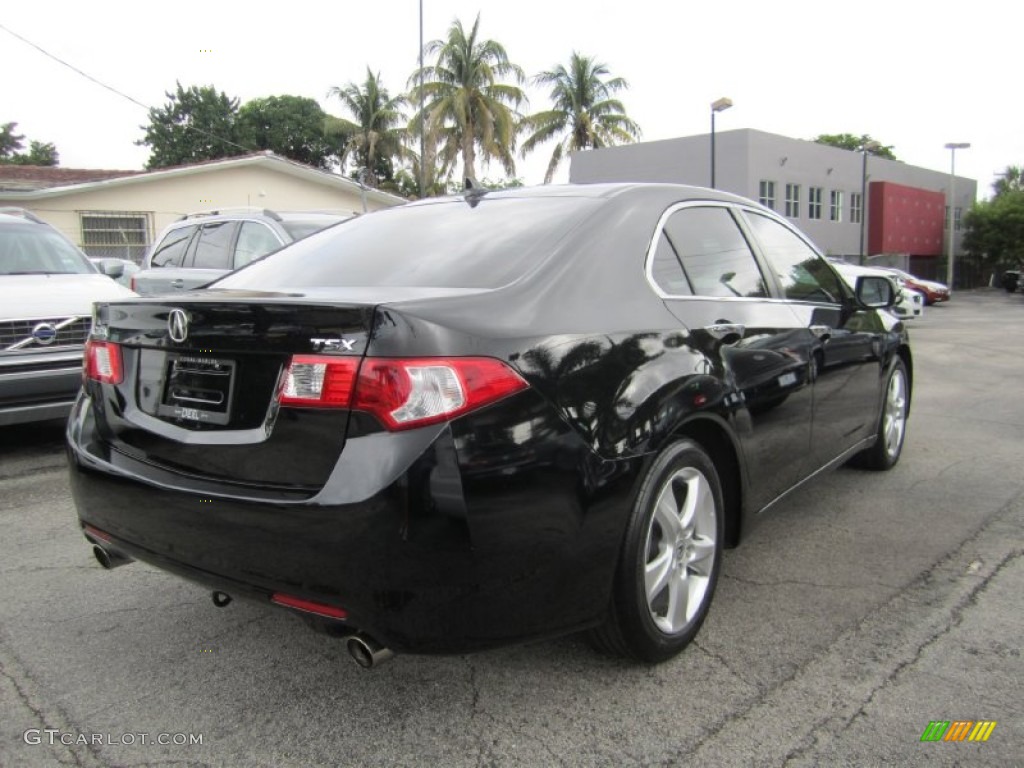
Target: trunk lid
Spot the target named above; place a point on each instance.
(200, 383)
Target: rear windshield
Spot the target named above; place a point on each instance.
(300, 228)
(29, 249)
(449, 244)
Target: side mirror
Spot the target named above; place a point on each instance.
(111, 268)
(876, 292)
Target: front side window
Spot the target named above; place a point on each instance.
(793, 200)
(835, 207)
(814, 195)
(767, 194)
(714, 254)
(213, 250)
(802, 273)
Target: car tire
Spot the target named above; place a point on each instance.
(670, 558)
(892, 422)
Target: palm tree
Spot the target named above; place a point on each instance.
(585, 112)
(468, 108)
(1010, 180)
(375, 136)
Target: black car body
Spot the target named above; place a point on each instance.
(523, 383)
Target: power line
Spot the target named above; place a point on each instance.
(110, 88)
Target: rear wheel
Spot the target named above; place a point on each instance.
(892, 424)
(670, 559)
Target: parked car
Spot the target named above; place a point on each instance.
(204, 246)
(47, 287)
(1011, 280)
(932, 290)
(909, 303)
(120, 270)
(490, 418)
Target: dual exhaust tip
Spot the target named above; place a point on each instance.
(364, 650)
(108, 558)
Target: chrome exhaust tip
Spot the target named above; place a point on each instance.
(109, 559)
(221, 599)
(367, 652)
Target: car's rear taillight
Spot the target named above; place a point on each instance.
(408, 393)
(103, 362)
(402, 393)
(319, 381)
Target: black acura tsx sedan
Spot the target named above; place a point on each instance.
(488, 418)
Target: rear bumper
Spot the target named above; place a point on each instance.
(433, 559)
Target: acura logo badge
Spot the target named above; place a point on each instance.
(177, 325)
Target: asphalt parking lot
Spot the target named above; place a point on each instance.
(865, 607)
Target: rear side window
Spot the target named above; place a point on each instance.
(715, 255)
(802, 273)
(667, 270)
(254, 240)
(170, 252)
(214, 248)
(449, 244)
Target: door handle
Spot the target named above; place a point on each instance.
(823, 332)
(179, 283)
(727, 333)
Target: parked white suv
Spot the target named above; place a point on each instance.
(47, 287)
(201, 247)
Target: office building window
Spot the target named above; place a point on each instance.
(793, 200)
(956, 218)
(835, 208)
(856, 208)
(767, 194)
(814, 195)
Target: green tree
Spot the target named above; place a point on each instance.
(196, 124)
(1010, 180)
(585, 113)
(855, 143)
(11, 144)
(468, 107)
(374, 137)
(995, 229)
(290, 126)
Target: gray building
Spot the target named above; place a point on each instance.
(817, 186)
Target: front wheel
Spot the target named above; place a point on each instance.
(670, 559)
(892, 423)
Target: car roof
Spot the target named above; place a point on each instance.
(601, 190)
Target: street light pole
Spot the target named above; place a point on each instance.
(423, 138)
(869, 146)
(719, 105)
(952, 147)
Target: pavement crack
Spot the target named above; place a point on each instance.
(798, 582)
(721, 660)
(956, 618)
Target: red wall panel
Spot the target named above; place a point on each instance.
(905, 219)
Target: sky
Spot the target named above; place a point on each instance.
(913, 74)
